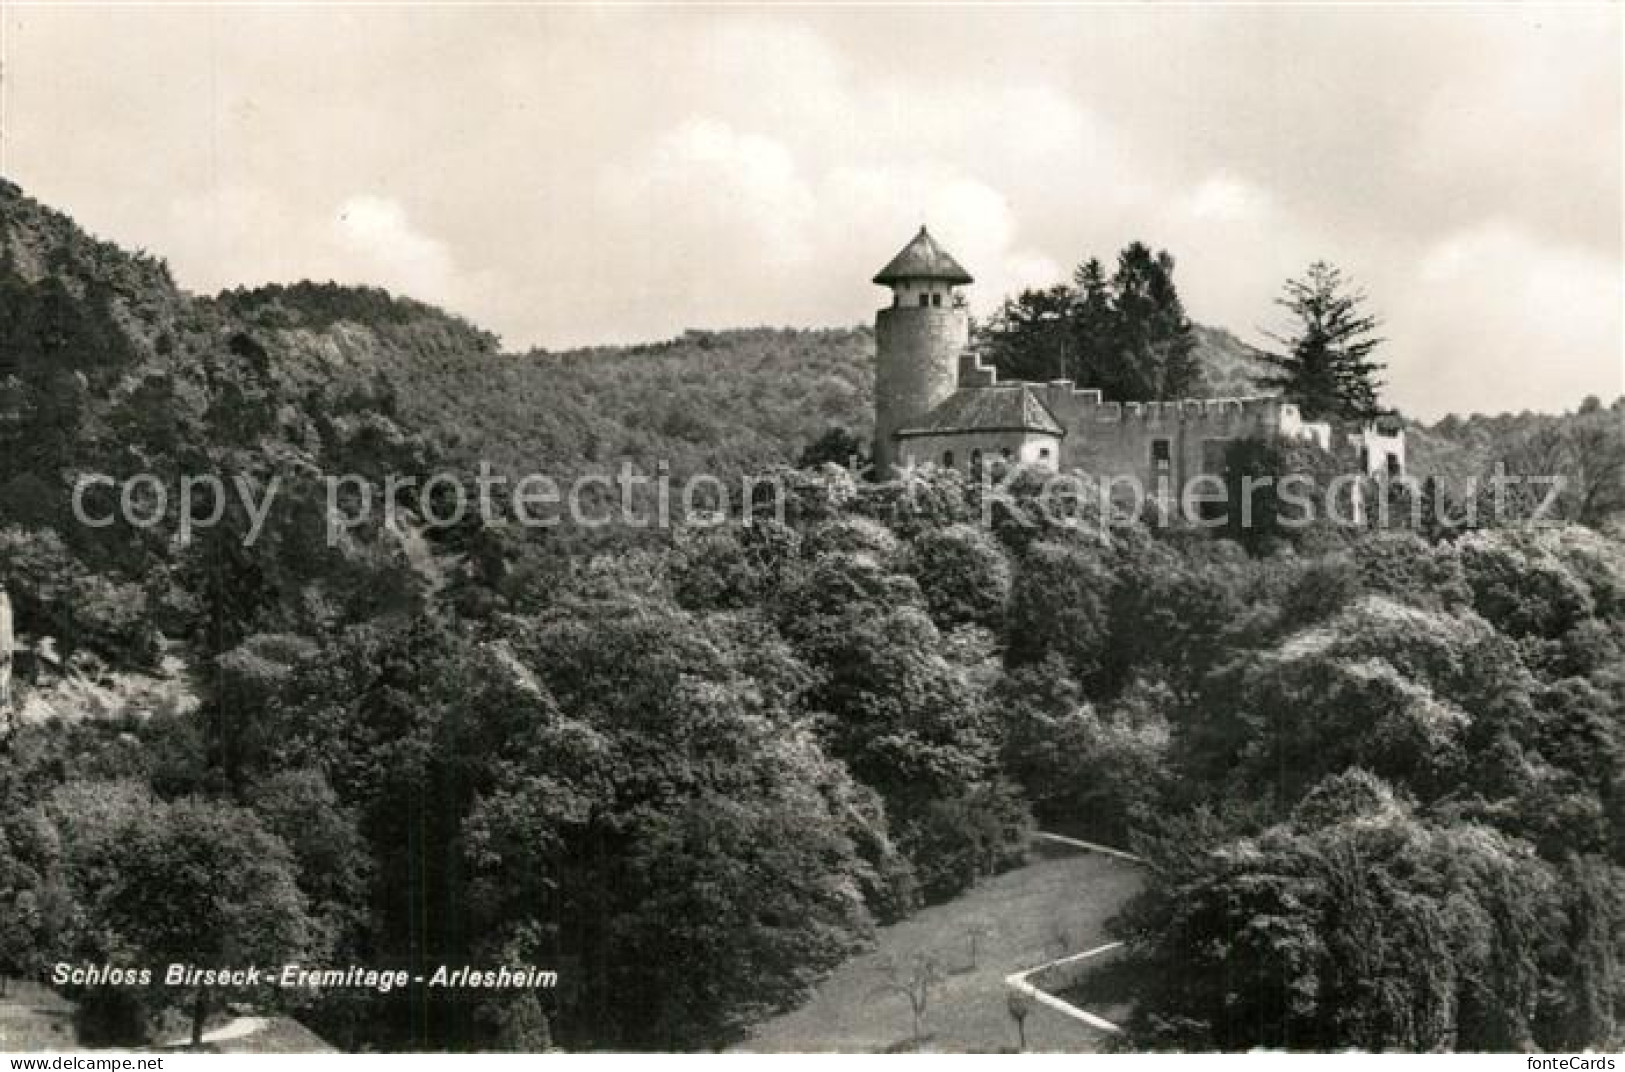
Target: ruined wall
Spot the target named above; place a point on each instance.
(1112, 439)
(1382, 452)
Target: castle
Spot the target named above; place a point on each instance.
(937, 403)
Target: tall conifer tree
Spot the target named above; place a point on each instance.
(1327, 368)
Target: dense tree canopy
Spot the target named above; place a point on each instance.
(691, 770)
(1327, 367)
(1126, 335)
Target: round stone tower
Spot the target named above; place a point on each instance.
(918, 340)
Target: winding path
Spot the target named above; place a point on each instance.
(241, 1027)
(1024, 920)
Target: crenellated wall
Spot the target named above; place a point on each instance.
(924, 355)
(1382, 452)
(1111, 439)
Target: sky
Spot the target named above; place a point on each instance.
(578, 175)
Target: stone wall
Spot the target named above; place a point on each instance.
(1036, 449)
(1111, 439)
(1108, 439)
(1382, 452)
(917, 355)
(1163, 445)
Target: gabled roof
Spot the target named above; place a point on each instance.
(922, 259)
(1007, 408)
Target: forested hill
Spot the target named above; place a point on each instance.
(724, 402)
(729, 401)
(106, 366)
(311, 368)
(695, 770)
(109, 363)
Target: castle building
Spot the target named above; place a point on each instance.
(918, 341)
(937, 403)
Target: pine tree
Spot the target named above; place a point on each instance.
(1126, 335)
(1156, 347)
(1028, 338)
(1095, 328)
(1327, 368)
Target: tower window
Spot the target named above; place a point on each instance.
(1162, 453)
(1043, 454)
(976, 461)
(947, 459)
(925, 300)
(936, 301)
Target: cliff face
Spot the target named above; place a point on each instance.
(40, 242)
(107, 368)
(104, 339)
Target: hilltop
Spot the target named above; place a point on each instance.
(698, 770)
(312, 365)
(107, 366)
(1230, 367)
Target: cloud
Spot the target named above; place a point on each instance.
(591, 175)
(1491, 307)
(720, 187)
(1225, 198)
(384, 246)
(972, 219)
(245, 235)
(1528, 127)
(784, 239)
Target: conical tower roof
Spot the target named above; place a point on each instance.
(922, 259)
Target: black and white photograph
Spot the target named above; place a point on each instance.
(812, 528)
